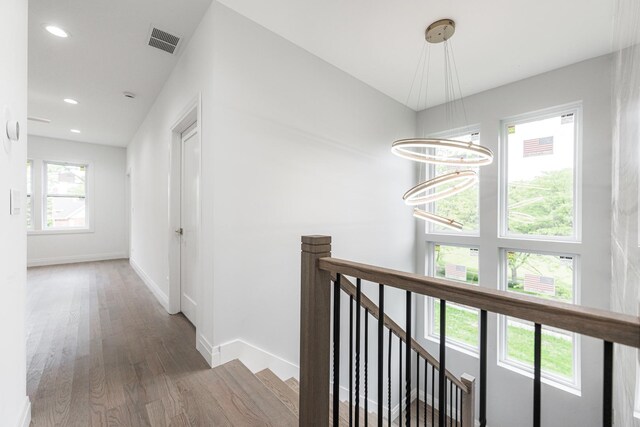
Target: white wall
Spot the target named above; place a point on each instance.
(509, 393)
(14, 403)
(291, 146)
(108, 237)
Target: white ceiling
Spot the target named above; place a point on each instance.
(496, 41)
(376, 41)
(106, 55)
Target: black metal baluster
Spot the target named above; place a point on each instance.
(537, 373)
(607, 390)
(417, 389)
(407, 368)
(366, 367)
(426, 381)
(389, 381)
(399, 382)
(358, 310)
(433, 396)
(350, 361)
(442, 391)
(380, 351)
(483, 368)
(336, 351)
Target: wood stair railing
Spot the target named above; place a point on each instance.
(321, 273)
(350, 289)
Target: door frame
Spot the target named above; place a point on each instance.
(189, 114)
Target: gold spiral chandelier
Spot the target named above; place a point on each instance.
(440, 151)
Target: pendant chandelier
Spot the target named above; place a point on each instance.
(439, 151)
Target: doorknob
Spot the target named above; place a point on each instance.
(179, 231)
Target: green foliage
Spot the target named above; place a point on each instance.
(557, 352)
(544, 205)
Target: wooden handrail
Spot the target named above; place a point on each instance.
(350, 289)
(606, 325)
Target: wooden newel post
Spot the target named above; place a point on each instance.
(315, 327)
(468, 400)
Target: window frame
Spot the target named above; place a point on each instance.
(429, 171)
(430, 302)
(503, 178)
(575, 384)
(39, 191)
(46, 195)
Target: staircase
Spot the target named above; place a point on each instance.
(281, 398)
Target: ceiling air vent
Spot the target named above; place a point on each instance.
(163, 40)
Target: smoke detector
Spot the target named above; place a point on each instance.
(163, 40)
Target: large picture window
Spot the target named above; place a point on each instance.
(544, 276)
(65, 199)
(457, 263)
(540, 191)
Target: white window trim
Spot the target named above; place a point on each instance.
(39, 195)
(576, 109)
(430, 308)
(573, 386)
(428, 170)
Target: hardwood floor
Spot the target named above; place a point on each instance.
(101, 351)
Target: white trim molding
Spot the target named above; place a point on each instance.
(39, 262)
(25, 415)
(153, 287)
(254, 358)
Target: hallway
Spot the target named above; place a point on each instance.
(102, 351)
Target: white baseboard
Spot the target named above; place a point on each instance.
(153, 287)
(40, 262)
(205, 348)
(25, 415)
(254, 358)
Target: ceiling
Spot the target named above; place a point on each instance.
(105, 55)
(496, 41)
(377, 41)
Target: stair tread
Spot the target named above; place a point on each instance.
(282, 391)
(294, 384)
(252, 393)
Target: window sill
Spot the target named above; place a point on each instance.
(59, 231)
(564, 386)
(454, 346)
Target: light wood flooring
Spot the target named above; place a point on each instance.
(101, 351)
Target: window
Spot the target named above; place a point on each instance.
(540, 169)
(463, 207)
(544, 276)
(65, 200)
(29, 209)
(457, 263)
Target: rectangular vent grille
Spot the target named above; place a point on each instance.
(163, 40)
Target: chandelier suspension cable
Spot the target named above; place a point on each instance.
(460, 98)
(415, 74)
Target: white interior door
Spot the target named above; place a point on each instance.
(189, 222)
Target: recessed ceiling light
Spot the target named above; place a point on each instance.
(75, 131)
(70, 101)
(56, 31)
